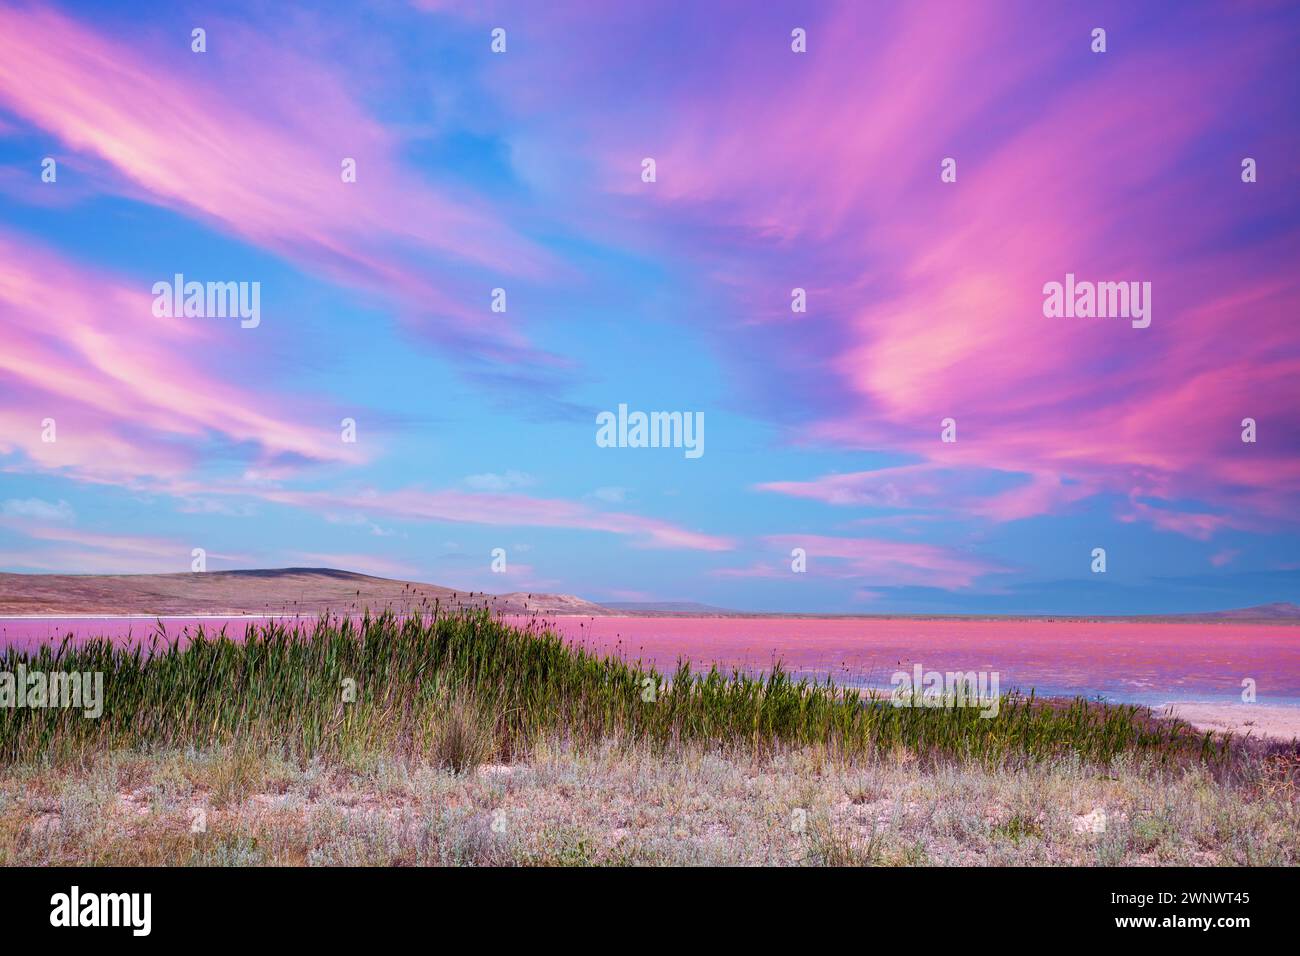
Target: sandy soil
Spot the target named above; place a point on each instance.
(1272, 721)
(617, 808)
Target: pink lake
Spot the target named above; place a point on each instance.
(1138, 662)
(1126, 661)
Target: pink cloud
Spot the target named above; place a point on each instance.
(1190, 524)
(130, 394)
(80, 551)
(252, 142)
(1225, 557)
(937, 488)
(928, 295)
(883, 563)
(898, 487)
(361, 563)
(506, 510)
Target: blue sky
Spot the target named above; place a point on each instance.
(775, 170)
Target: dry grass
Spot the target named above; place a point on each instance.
(621, 806)
(461, 737)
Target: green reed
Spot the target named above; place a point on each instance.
(486, 688)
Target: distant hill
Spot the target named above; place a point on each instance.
(1280, 612)
(275, 591)
(667, 607)
(312, 591)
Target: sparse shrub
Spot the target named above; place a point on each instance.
(838, 844)
(1017, 827)
(460, 737)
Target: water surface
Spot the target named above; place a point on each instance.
(1137, 662)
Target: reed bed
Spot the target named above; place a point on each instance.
(465, 687)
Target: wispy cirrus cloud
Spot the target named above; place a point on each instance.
(879, 561)
(506, 481)
(252, 144)
(73, 550)
(938, 490)
(36, 509)
(357, 504)
(1192, 524)
(128, 400)
(505, 510)
(926, 297)
(775, 171)
(376, 565)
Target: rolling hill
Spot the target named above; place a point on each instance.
(274, 591)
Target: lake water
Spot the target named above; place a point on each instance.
(1148, 663)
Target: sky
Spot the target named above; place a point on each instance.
(922, 171)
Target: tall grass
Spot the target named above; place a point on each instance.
(463, 687)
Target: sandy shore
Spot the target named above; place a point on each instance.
(1272, 721)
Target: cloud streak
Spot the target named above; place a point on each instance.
(252, 143)
(926, 297)
(132, 398)
(878, 561)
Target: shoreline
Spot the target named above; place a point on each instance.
(1190, 618)
(1280, 722)
(1272, 721)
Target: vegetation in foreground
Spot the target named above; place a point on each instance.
(430, 685)
(458, 738)
(620, 806)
